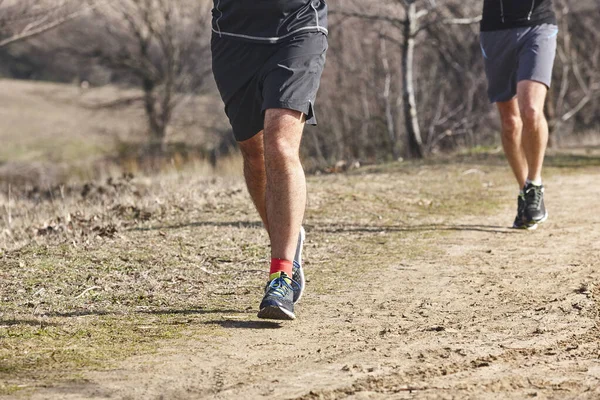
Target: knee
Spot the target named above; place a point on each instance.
(253, 152)
(512, 127)
(280, 149)
(531, 116)
(283, 132)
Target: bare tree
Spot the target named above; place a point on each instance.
(22, 20)
(410, 20)
(161, 44)
(578, 65)
(411, 28)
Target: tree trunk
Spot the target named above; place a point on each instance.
(415, 142)
(389, 115)
(155, 125)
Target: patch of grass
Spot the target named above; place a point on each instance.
(572, 161)
(54, 133)
(480, 150)
(7, 390)
(50, 348)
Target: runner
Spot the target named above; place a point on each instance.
(518, 41)
(268, 57)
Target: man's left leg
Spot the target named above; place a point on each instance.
(285, 206)
(531, 96)
(286, 183)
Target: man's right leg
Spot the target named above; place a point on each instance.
(253, 153)
(512, 139)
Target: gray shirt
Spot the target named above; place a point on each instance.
(268, 21)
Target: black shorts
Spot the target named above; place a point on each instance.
(255, 77)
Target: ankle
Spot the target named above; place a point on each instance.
(279, 265)
(534, 182)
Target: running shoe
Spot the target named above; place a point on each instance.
(520, 221)
(298, 271)
(535, 209)
(278, 302)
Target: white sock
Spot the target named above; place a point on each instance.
(534, 183)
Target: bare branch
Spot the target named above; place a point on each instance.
(42, 26)
(372, 17)
(462, 21)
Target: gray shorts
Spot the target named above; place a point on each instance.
(515, 55)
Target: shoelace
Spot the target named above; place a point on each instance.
(280, 287)
(536, 197)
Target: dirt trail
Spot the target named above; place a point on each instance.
(480, 311)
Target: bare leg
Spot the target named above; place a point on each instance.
(253, 152)
(286, 183)
(532, 96)
(512, 128)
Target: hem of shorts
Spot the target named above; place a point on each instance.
(246, 134)
(538, 80)
(303, 107)
(533, 79)
(501, 100)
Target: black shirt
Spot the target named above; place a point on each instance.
(268, 21)
(507, 14)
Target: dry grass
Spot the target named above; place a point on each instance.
(54, 133)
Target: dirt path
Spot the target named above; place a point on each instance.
(398, 306)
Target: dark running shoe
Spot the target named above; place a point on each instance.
(278, 302)
(298, 272)
(535, 209)
(520, 221)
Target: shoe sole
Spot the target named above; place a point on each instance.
(277, 313)
(532, 227)
(535, 223)
(298, 258)
(543, 219)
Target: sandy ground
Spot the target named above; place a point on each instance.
(481, 311)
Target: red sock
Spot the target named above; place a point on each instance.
(279, 265)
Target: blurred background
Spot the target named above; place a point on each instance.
(93, 88)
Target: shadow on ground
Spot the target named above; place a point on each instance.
(345, 228)
(231, 224)
(411, 228)
(30, 322)
(567, 159)
(232, 324)
(84, 313)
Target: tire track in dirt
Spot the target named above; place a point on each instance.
(482, 311)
